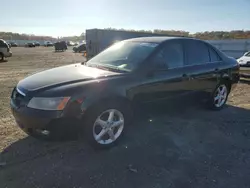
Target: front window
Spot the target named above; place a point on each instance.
(124, 55)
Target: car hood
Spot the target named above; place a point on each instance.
(61, 76)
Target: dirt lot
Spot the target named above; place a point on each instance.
(169, 147)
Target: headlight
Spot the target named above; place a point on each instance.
(56, 103)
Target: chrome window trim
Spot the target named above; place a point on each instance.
(188, 66)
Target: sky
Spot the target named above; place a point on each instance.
(72, 17)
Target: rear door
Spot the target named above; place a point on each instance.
(202, 66)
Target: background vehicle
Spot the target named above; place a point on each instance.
(244, 61)
(100, 93)
(30, 44)
(48, 43)
(70, 43)
(37, 43)
(13, 44)
(4, 50)
(80, 48)
(60, 46)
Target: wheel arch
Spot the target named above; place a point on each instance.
(227, 80)
(92, 104)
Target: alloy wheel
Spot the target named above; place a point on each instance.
(108, 126)
(220, 96)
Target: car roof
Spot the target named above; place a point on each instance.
(157, 39)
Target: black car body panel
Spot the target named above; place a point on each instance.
(65, 75)
(37, 44)
(13, 44)
(88, 86)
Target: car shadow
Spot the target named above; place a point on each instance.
(166, 146)
(4, 61)
(59, 51)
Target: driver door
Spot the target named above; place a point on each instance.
(167, 76)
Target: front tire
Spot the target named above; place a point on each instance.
(219, 96)
(105, 124)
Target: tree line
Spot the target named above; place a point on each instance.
(18, 36)
(207, 35)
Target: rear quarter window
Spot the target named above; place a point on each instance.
(214, 57)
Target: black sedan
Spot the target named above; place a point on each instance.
(30, 44)
(13, 44)
(48, 44)
(100, 93)
(37, 43)
(80, 48)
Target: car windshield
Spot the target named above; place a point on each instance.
(248, 54)
(124, 55)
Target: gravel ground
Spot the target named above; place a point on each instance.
(168, 146)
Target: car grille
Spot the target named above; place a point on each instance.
(19, 99)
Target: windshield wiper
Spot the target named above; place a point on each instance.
(97, 66)
(106, 67)
(113, 68)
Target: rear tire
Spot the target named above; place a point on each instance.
(219, 96)
(111, 118)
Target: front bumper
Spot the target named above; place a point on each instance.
(8, 54)
(29, 119)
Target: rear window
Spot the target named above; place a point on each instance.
(213, 55)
